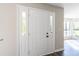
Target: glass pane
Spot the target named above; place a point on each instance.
(23, 23)
(76, 28)
(66, 28)
(51, 23)
(71, 28)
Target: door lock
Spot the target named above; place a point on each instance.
(47, 36)
(47, 33)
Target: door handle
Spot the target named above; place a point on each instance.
(47, 36)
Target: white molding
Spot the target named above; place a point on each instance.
(57, 50)
(17, 27)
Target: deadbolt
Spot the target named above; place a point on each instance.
(47, 33)
(47, 36)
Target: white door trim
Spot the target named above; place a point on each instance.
(17, 29)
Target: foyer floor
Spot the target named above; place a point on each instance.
(71, 48)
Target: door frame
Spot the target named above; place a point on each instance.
(17, 28)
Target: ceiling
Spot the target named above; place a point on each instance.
(64, 4)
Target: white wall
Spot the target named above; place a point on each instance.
(8, 29)
(71, 10)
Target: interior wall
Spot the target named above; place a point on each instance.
(7, 29)
(71, 10)
(59, 22)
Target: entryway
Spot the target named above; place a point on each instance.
(36, 32)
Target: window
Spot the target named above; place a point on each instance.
(71, 28)
(76, 28)
(51, 23)
(23, 23)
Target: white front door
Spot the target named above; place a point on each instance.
(41, 35)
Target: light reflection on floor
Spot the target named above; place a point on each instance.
(71, 48)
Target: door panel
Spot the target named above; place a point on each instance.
(22, 30)
(40, 36)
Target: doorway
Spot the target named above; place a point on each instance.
(36, 32)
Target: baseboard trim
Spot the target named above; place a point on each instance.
(57, 50)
